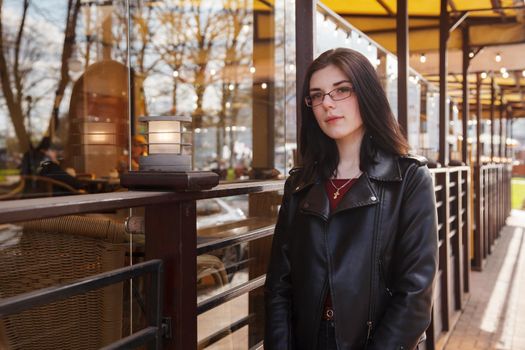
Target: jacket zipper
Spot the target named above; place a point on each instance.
(370, 323)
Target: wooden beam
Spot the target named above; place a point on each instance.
(452, 5)
(387, 8)
(496, 7)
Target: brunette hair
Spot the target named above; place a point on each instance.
(319, 153)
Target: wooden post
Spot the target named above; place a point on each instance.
(477, 263)
(171, 236)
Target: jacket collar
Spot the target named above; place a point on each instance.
(386, 168)
(361, 193)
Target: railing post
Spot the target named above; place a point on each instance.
(171, 236)
(444, 180)
(466, 226)
(457, 240)
(477, 263)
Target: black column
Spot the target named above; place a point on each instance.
(492, 103)
(402, 64)
(465, 90)
(443, 120)
(304, 50)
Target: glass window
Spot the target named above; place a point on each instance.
(226, 64)
(64, 101)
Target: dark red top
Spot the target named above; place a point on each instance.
(330, 191)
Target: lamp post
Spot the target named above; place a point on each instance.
(168, 162)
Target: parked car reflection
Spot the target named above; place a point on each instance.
(216, 211)
(212, 214)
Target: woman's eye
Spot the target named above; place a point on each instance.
(316, 96)
(343, 90)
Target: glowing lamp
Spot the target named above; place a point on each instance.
(99, 133)
(166, 149)
(168, 164)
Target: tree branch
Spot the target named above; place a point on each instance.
(14, 108)
(18, 83)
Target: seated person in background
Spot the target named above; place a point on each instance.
(50, 167)
(32, 158)
(138, 148)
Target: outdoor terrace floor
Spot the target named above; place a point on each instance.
(494, 317)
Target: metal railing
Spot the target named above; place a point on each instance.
(171, 237)
(452, 188)
(171, 247)
(492, 205)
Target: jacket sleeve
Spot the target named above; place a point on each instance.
(277, 291)
(414, 267)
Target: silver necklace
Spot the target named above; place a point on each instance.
(336, 193)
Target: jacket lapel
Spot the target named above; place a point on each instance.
(316, 202)
(362, 193)
(359, 195)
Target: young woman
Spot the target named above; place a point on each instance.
(354, 254)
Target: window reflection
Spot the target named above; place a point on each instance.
(66, 81)
(220, 62)
(80, 76)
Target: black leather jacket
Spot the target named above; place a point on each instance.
(377, 253)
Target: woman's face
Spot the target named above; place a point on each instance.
(339, 120)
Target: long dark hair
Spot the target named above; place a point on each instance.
(319, 153)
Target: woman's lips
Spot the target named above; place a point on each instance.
(332, 119)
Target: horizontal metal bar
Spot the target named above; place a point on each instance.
(211, 245)
(39, 208)
(222, 333)
(230, 294)
(134, 340)
(19, 303)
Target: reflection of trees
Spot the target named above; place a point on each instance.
(22, 86)
(196, 47)
(237, 55)
(73, 8)
(14, 76)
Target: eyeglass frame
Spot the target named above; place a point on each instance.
(351, 88)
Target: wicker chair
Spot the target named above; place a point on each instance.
(50, 252)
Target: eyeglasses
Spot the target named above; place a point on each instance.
(336, 94)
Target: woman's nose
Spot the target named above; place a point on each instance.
(328, 102)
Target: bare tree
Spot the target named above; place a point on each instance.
(12, 85)
(73, 8)
(21, 84)
(237, 55)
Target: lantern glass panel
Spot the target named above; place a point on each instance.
(164, 137)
